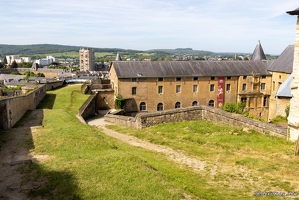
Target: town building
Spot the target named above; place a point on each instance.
(46, 61)
(87, 60)
(11, 58)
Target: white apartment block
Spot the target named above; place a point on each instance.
(17, 58)
(46, 61)
(86, 59)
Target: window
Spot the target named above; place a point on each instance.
(142, 106)
(178, 78)
(279, 76)
(177, 105)
(160, 107)
(134, 89)
(194, 103)
(244, 87)
(134, 79)
(195, 88)
(244, 77)
(178, 89)
(211, 103)
(228, 78)
(273, 85)
(264, 76)
(227, 87)
(195, 78)
(265, 103)
(160, 79)
(263, 86)
(212, 78)
(212, 88)
(244, 100)
(160, 89)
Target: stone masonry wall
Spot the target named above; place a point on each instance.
(216, 115)
(12, 109)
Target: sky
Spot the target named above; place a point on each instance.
(211, 25)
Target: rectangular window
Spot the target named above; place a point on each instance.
(160, 89)
(212, 78)
(265, 101)
(273, 86)
(244, 77)
(263, 77)
(178, 78)
(212, 88)
(134, 79)
(195, 88)
(263, 86)
(160, 79)
(244, 87)
(227, 87)
(178, 89)
(228, 78)
(195, 78)
(134, 89)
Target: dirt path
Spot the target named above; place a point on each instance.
(15, 157)
(172, 154)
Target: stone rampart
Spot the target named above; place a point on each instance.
(88, 108)
(12, 109)
(216, 115)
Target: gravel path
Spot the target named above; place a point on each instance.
(172, 154)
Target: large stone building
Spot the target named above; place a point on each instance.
(86, 60)
(154, 86)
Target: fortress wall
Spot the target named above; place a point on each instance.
(216, 115)
(12, 109)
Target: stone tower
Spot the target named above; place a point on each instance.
(87, 60)
(293, 119)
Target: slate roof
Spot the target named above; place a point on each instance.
(284, 63)
(294, 12)
(10, 76)
(258, 53)
(285, 88)
(155, 69)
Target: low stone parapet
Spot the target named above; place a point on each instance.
(143, 120)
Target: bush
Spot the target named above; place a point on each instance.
(238, 108)
(120, 102)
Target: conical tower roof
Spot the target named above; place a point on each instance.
(258, 53)
(118, 58)
(294, 12)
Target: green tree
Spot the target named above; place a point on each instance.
(5, 60)
(14, 64)
(1, 65)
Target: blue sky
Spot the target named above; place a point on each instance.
(213, 25)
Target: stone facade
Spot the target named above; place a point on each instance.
(277, 104)
(164, 93)
(294, 105)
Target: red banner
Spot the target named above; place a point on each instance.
(221, 89)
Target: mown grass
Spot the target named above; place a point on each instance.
(245, 161)
(83, 163)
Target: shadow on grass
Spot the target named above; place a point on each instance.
(53, 184)
(47, 102)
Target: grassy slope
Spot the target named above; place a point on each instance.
(86, 164)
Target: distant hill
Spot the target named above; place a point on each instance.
(28, 50)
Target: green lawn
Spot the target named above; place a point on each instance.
(84, 163)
